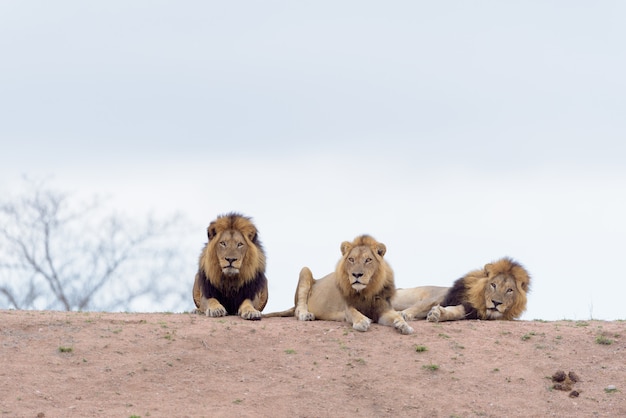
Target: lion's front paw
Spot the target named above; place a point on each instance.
(404, 328)
(216, 312)
(252, 314)
(362, 325)
(304, 315)
(435, 314)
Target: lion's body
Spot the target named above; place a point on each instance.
(231, 270)
(359, 291)
(323, 301)
(415, 303)
(498, 291)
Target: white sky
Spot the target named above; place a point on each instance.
(454, 132)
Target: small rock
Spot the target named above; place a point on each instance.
(574, 394)
(562, 386)
(574, 377)
(559, 376)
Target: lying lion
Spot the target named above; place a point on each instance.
(497, 291)
(359, 291)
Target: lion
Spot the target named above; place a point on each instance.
(498, 291)
(359, 291)
(231, 270)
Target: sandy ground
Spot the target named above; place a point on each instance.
(84, 364)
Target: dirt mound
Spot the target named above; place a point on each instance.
(58, 364)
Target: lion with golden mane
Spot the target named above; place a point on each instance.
(358, 291)
(231, 270)
(497, 291)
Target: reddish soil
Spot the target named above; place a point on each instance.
(84, 364)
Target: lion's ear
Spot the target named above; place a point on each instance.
(252, 235)
(381, 249)
(211, 231)
(345, 247)
(488, 269)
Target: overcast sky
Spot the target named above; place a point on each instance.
(454, 132)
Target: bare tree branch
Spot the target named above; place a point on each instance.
(9, 295)
(62, 258)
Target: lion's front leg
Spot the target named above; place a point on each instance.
(211, 307)
(395, 319)
(247, 311)
(359, 321)
(446, 313)
(305, 284)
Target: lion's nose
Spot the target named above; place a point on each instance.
(357, 275)
(231, 260)
(495, 303)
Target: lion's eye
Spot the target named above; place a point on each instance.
(239, 244)
(509, 290)
(368, 260)
(351, 259)
(493, 286)
(222, 243)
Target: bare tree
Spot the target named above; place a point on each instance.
(57, 254)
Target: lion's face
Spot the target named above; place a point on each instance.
(500, 294)
(359, 262)
(231, 250)
(361, 265)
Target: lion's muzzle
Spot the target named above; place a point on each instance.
(494, 305)
(356, 283)
(230, 269)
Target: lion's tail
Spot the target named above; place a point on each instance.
(288, 312)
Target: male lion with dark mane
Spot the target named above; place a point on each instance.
(359, 291)
(231, 272)
(497, 291)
